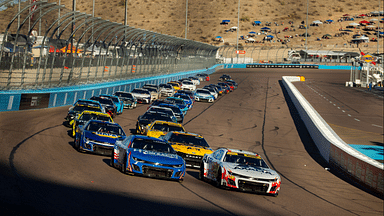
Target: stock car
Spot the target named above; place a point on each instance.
(191, 147)
(107, 104)
(116, 100)
(188, 85)
(188, 101)
(76, 110)
(86, 116)
(128, 99)
(235, 85)
(176, 110)
(147, 118)
(175, 85)
(166, 90)
(98, 137)
(204, 95)
(148, 156)
(142, 95)
(191, 94)
(203, 77)
(160, 128)
(241, 170)
(180, 103)
(225, 77)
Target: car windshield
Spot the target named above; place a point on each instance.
(187, 82)
(151, 89)
(82, 108)
(112, 98)
(188, 140)
(140, 91)
(104, 100)
(152, 145)
(88, 116)
(167, 127)
(105, 128)
(200, 91)
(186, 97)
(122, 94)
(174, 109)
(179, 102)
(159, 109)
(244, 159)
(156, 116)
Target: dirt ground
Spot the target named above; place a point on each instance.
(204, 18)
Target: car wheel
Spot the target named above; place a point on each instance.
(201, 173)
(218, 179)
(124, 166)
(112, 163)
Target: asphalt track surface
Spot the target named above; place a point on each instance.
(42, 174)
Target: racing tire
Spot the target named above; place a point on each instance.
(218, 179)
(123, 168)
(201, 172)
(76, 144)
(112, 163)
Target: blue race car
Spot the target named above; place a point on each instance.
(178, 113)
(116, 100)
(128, 99)
(188, 101)
(98, 137)
(180, 103)
(148, 156)
(204, 95)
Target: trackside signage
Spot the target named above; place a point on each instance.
(367, 58)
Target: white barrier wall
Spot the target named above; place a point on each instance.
(333, 149)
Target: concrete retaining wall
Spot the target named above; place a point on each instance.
(55, 97)
(334, 150)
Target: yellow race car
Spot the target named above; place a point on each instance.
(159, 128)
(191, 147)
(175, 85)
(86, 116)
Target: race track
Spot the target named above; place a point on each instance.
(42, 174)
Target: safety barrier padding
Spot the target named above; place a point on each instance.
(306, 66)
(331, 147)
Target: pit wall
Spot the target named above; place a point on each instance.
(333, 149)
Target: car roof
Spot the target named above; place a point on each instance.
(167, 123)
(240, 151)
(94, 112)
(185, 133)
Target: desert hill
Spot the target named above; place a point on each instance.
(204, 17)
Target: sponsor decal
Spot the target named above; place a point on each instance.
(252, 168)
(154, 153)
(106, 135)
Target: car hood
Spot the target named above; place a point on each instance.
(157, 157)
(251, 171)
(138, 95)
(103, 137)
(195, 150)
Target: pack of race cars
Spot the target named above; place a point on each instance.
(161, 147)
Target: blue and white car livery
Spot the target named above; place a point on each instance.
(98, 137)
(148, 156)
(204, 95)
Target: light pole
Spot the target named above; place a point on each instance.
(186, 18)
(306, 32)
(238, 29)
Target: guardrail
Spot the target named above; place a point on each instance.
(332, 148)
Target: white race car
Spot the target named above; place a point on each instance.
(242, 170)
